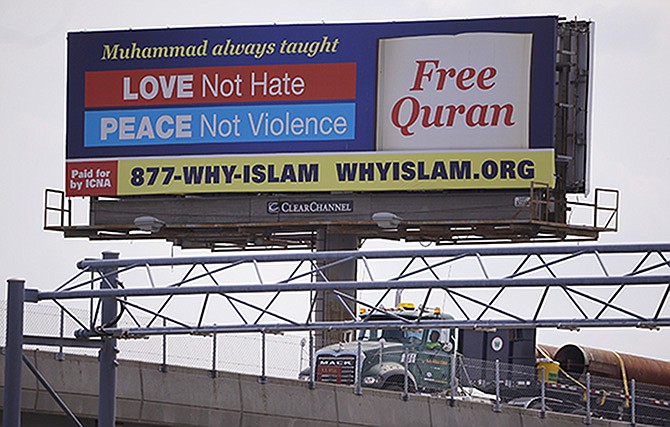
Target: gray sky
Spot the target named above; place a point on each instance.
(631, 149)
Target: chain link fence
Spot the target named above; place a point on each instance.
(286, 355)
(522, 386)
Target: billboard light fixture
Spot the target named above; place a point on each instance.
(149, 223)
(386, 219)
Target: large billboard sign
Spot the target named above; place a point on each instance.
(410, 106)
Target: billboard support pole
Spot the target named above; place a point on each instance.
(11, 416)
(108, 363)
(328, 306)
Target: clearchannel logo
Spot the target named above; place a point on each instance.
(310, 207)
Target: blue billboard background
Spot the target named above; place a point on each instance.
(357, 43)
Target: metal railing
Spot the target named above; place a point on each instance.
(543, 207)
(56, 203)
(253, 308)
(284, 356)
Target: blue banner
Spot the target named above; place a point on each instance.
(229, 124)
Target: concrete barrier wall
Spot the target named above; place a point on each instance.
(190, 397)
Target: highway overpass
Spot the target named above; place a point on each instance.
(191, 397)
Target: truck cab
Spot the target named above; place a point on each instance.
(383, 352)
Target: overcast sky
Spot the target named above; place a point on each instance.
(631, 147)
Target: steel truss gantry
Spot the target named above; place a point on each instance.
(490, 287)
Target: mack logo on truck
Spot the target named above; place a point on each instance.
(335, 362)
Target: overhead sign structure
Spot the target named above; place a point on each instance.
(410, 106)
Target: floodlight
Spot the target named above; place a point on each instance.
(149, 223)
(386, 219)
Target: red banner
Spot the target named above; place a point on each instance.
(178, 86)
(91, 178)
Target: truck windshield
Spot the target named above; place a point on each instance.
(394, 335)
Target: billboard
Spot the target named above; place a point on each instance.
(407, 106)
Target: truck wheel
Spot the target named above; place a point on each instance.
(538, 406)
(398, 384)
(393, 386)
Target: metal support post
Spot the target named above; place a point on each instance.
(212, 373)
(587, 419)
(543, 393)
(164, 368)
(91, 303)
(263, 379)
(60, 356)
(405, 388)
(310, 383)
(358, 391)
(108, 363)
(633, 417)
(328, 306)
(496, 405)
(303, 342)
(452, 380)
(11, 416)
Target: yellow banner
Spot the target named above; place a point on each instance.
(336, 172)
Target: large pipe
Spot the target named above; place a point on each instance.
(543, 351)
(577, 360)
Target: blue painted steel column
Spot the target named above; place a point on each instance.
(11, 416)
(108, 363)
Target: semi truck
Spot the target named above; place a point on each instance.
(384, 353)
(433, 356)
